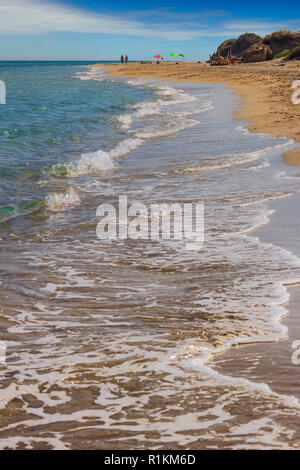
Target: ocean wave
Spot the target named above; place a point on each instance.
(19, 208)
(227, 161)
(176, 95)
(171, 128)
(125, 120)
(92, 163)
(92, 73)
(88, 164)
(125, 146)
(53, 201)
(61, 201)
(223, 161)
(158, 107)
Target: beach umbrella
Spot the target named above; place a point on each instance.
(182, 55)
(173, 53)
(157, 56)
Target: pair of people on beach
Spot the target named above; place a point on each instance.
(124, 59)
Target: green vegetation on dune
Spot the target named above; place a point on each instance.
(281, 54)
(295, 54)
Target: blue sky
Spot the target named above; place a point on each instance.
(95, 29)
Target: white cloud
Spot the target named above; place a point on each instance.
(169, 13)
(260, 25)
(27, 17)
(38, 16)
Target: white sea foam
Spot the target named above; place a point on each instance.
(90, 164)
(176, 96)
(125, 146)
(227, 161)
(171, 128)
(61, 201)
(93, 73)
(281, 297)
(264, 164)
(267, 325)
(138, 81)
(141, 110)
(93, 163)
(149, 109)
(224, 161)
(172, 96)
(125, 120)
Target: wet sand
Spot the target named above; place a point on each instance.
(266, 93)
(272, 363)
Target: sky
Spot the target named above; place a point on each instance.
(103, 30)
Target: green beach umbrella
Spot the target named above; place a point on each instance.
(173, 53)
(182, 55)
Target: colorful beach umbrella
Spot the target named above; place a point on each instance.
(173, 53)
(182, 55)
(157, 56)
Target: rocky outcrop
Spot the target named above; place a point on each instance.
(236, 47)
(252, 48)
(257, 53)
(282, 40)
(224, 49)
(243, 43)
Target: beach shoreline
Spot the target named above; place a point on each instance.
(150, 326)
(266, 362)
(265, 89)
(272, 362)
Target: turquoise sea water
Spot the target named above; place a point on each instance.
(50, 118)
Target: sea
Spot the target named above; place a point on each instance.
(109, 343)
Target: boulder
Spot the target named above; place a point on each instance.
(224, 49)
(243, 43)
(236, 47)
(257, 53)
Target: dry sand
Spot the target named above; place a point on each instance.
(265, 88)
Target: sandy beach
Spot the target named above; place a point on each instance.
(265, 88)
(141, 343)
(149, 228)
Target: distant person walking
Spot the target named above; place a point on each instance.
(122, 59)
(126, 58)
